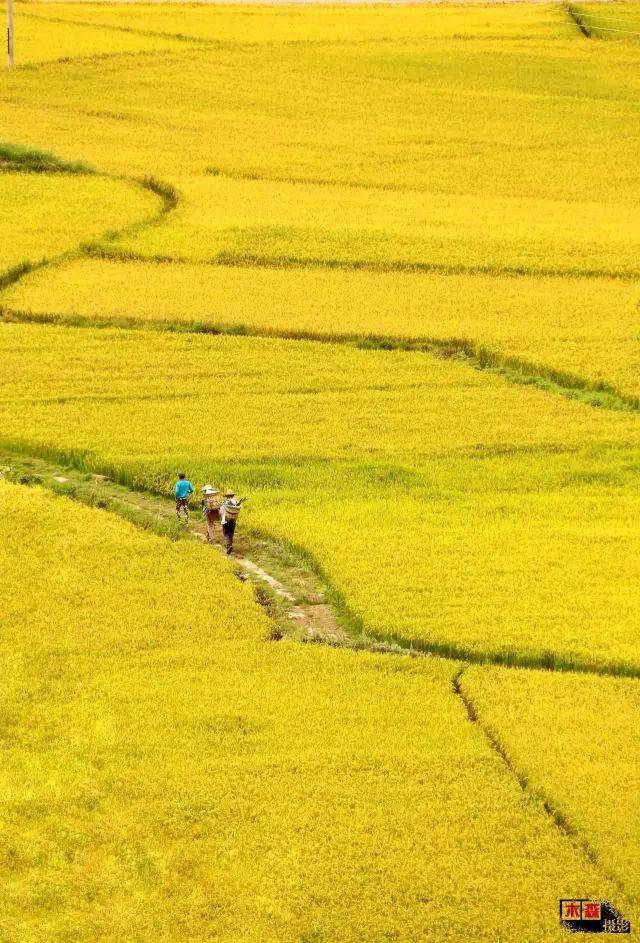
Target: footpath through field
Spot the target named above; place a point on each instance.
(298, 603)
(292, 592)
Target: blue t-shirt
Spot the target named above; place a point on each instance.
(183, 488)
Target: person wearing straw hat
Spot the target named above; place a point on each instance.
(229, 512)
(210, 504)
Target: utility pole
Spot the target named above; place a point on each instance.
(10, 33)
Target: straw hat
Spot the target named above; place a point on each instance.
(229, 494)
(209, 489)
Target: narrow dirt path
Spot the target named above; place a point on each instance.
(288, 584)
(294, 595)
(31, 160)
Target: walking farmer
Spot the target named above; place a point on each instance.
(229, 512)
(183, 490)
(211, 502)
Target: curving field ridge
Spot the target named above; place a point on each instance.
(377, 268)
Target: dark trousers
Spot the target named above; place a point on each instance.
(228, 530)
(182, 504)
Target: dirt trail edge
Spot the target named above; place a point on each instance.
(294, 596)
(301, 602)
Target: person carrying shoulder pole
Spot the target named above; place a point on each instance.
(183, 489)
(210, 504)
(229, 512)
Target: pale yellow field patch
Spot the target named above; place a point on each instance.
(575, 738)
(449, 507)
(167, 770)
(281, 221)
(586, 327)
(44, 215)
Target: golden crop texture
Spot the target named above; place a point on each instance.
(586, 328)
(483, 108)
(170, 773)
(43, 34)
(483, 491)
(584, 755)
(44, 215)
(282, 222)
(274, 25)
(463, 178)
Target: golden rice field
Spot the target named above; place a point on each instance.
(31, 205)
(170, 773)
(267, 221)
(377, 268)
(616, 21)
(452, 489)
(588, 769)
(586, 328)
(44, 34)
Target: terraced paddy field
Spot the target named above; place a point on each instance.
(375, 267)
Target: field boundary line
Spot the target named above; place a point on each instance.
(15, 273)
(204, 42)
(576, 17)
(114, 27)
(24, 160)
(109, 489)
(226, 259)
(591, 30)
(255, 177)
(557, 817)
(513, 369)
(85, 58)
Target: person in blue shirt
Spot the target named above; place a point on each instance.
(183, 489)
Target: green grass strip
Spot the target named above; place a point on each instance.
(513, 369)
(16, 158)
